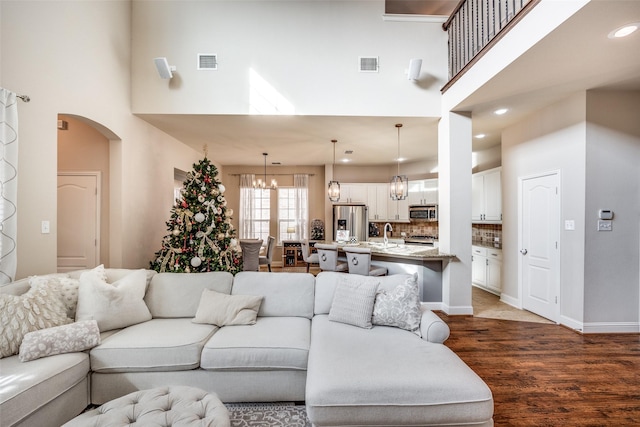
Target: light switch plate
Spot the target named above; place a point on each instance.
(45, 227)
(605, 225)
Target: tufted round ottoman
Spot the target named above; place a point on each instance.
(176, 406)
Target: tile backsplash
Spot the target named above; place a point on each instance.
(485, 233)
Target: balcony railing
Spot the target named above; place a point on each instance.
(475, 25)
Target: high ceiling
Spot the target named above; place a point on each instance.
(577, 56)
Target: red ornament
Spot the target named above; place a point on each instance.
(184, 204)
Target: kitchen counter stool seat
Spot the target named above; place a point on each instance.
(328, 258)
(359, 261)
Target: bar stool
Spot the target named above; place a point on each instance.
(308, 258)
(359, 260)
(250, 254)
(328, 258)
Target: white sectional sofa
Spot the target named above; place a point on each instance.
(383, 376)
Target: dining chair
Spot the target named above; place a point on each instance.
(359, 261)
(328, 258)
(268, 256)
(308, 257)
(250, 254)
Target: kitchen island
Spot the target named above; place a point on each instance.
(427, 262)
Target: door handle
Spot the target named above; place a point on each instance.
(523, 251)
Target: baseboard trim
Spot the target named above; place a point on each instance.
(457, 310)
(611, 328)
(513, 302)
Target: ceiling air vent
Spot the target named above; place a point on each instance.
(207, 61)
(368, 64)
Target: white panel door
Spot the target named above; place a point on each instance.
(539, 235)
(78, 221)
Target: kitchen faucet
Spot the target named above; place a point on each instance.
(385, 239)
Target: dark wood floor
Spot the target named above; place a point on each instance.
(547, 375)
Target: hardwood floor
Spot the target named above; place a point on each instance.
(547, 375)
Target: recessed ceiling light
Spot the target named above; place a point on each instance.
(480, 135)
(624, 30)
(500, 111)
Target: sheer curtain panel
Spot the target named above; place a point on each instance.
(9, 183)
(301, 186)
(246, 223)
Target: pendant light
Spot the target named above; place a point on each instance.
(334, 186)
(399, 184)
(262, 183)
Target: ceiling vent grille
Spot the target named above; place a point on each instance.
(207, 61)
(368, 64)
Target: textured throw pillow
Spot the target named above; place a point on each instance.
(116, 305)
(36, 309)
(399, 307)
(65, 287)
(353, 300)
(69, 338)
(222, 310)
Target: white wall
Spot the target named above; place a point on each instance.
(306, 50)
(613, 182)
(551, 139)
(74, 58)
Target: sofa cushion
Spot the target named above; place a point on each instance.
(178, 294)
(353, 300)
(285, 294)
(77, 336)
(222, 309)
(38, 308)
(327, 281)
(114, 305)
(272, 343)
(156, 345)
(65, 287)
(423, 383)
(34, 384)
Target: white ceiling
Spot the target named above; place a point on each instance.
(577, 56)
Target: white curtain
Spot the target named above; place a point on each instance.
(301, 187)
(8, 185)
(245, 221)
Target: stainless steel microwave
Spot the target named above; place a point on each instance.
(418, 213)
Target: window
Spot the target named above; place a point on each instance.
(292, 213)
(261, 214)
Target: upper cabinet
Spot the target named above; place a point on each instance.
(423, 192)
(486, 196)
(377, 199)
(353, 193)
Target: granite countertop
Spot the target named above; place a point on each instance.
(485, 244)
(406, 251)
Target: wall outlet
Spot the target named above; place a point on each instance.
(605, 225)
(569, 224)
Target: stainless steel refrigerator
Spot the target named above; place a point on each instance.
(353, 218)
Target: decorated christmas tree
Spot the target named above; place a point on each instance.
(201, 237)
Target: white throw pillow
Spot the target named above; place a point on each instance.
(36, 309)
(399, 307)
(222, 309)
(353, 300)
(70, 338)
(116, 305)
(65, 287)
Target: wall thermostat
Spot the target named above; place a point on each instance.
(605, 214)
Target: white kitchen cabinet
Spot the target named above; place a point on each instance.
(486, 196)
(423, 192)
(353, 193)
(378, 201)
(486, 268)
(398, 210)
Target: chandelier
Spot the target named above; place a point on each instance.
(333, 189)
(399, 184)
(262, 182)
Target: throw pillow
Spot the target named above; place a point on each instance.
(399, 307)
(65, 287)
(76, 336)
(36, 309)
(353, 300)
(220, 309)
(116, 305)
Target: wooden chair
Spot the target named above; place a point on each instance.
(268, 256)
(328, 258)
(307, 256)
(359, 261)
(250, 254)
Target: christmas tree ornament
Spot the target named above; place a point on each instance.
(199, 217)
(195, 262)
(221, 188)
